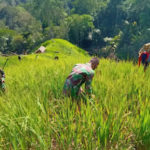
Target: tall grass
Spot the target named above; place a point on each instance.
(35, 115)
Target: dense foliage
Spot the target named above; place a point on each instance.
(104, 27)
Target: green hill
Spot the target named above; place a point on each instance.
(61, 47)
(54, 47)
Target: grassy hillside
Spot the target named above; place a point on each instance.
(35, 115)
(62, 48)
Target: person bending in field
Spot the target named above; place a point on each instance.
(144, 57)
(81, 73)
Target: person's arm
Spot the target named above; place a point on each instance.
(88, 87)
(139, 61)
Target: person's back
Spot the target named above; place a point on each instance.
(81, 73)
(144, 57)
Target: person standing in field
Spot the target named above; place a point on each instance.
(81, 74)
(144, 56)
(2, 80)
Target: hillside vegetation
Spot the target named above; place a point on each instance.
(35, 115)
(59, 47)
(102, 27)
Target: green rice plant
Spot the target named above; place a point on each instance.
(34, 114)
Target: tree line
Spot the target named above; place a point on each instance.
(115, 28)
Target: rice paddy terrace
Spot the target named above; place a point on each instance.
(35, 115)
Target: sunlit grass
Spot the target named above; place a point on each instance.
(35, 115)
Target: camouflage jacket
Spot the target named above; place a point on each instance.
(81, 73)
(2, 81)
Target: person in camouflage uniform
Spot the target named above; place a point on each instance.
(81, 73)
(2, 80)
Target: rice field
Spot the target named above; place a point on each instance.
(34, 114)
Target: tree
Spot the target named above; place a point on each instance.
(48, 11)
(135, 29)
(18, 19)
(6, 37)
(90, 7)
(79, 27)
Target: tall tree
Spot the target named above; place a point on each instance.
(48, 11)
(79, 27)
(88, 6)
